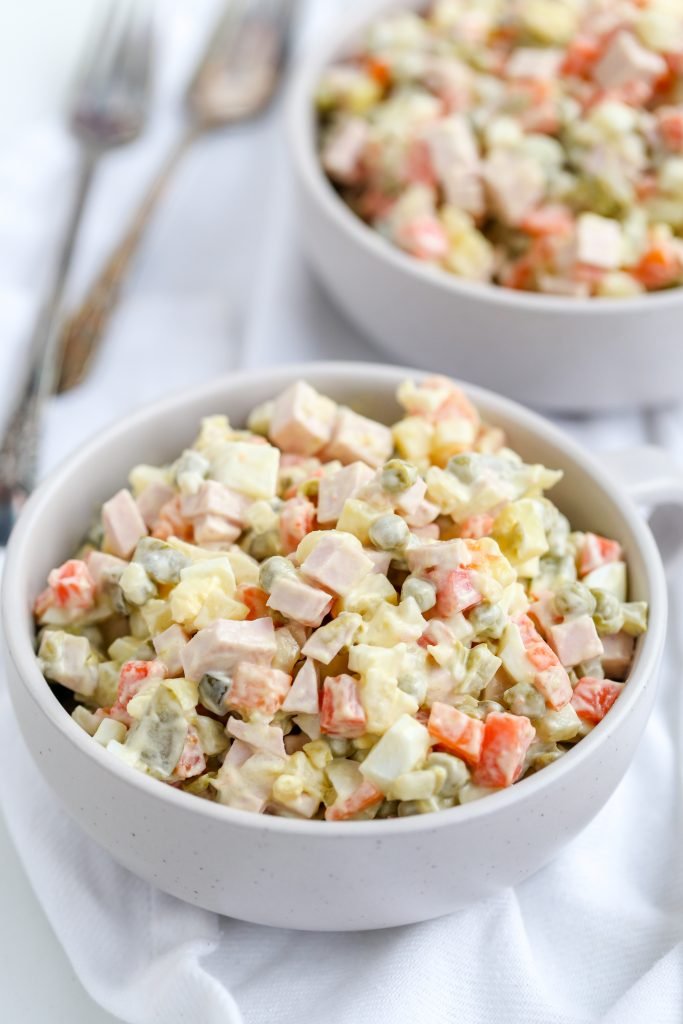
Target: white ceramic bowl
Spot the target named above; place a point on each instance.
(304, 874)
(546, 351)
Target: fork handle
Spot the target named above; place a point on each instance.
(84, 329)
(20, 440)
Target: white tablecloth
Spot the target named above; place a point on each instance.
(597, 935)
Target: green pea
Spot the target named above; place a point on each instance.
(574, 599)
(264, 545)
(422, 591)
(398, 476)
(524, 699)
(456, 770)
(487, 620)
(608, 616)
(462, 466)
(389, 532)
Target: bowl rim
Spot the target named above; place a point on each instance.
(300, 132)
(19, 639)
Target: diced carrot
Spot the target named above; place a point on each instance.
(191, 761)
(365, 796)
(171, 522)
(475, 527)
(550, 679)
(258, 688)
(379, 70)
(423, 237)
(297, 518)
(70, 586)
(581, 56)
(341, 712)
(456, 731)
(596, 551)
(593, 698)
(658, 267)
(506, 740)
(255, 599)
(455, 592)
(133, 675)
(670, 125)
(419, 168)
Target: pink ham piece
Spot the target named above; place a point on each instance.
(337, 563)
(257, 688)
(543, 614)
(356, 438)
(550, 676)
(454, 155)
(381, 560)
(214, 499)
(335, 488)
(423, 514)
(447, 554)
(341, 712)
(151, 501)
(267, 739)
(238, 753)
(303, 697)
(597, 551)
(515, 184)
(575, 640)
(224, 643)
(302, 420)
(617, 655)
(410, 500)
(625, 60)
(104, 568)
(299, 601)
(209, 530)
(455, 592)
(534, 63)
(343, 150)
(123, 524)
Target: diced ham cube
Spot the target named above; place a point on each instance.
(455, 592)
(575, 640)
(593, 698)
(617, 655)
(169, 646)
(448, 554)
(239, 752)
(550, 676)
(302, 420)
(104, 568)
(343, 150)
(506, 741)
(152, 500)
(625, 60)
(357, 438)
(224, 643)
(366, 795)
(303, 697)
(543, 614)
(299, 601)
(297, 518)
(258, 688)
(599, 241)
(515, 184)
(381, 560)
(211, 530)
(407, 502)
(670, 126)
(337, 563)
(267, 739)
(455, 158)
(456, 731)
(123, 524)
(214, 499)
(341, 712)
(422, 515)
(596, 551)
(335, 488)
(534, 62)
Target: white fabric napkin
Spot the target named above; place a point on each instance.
(596, 936)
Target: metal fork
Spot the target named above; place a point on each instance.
(107, 110)
(235, 78)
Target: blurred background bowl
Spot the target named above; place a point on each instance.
(589, 355)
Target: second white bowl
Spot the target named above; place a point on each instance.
(546, 351)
